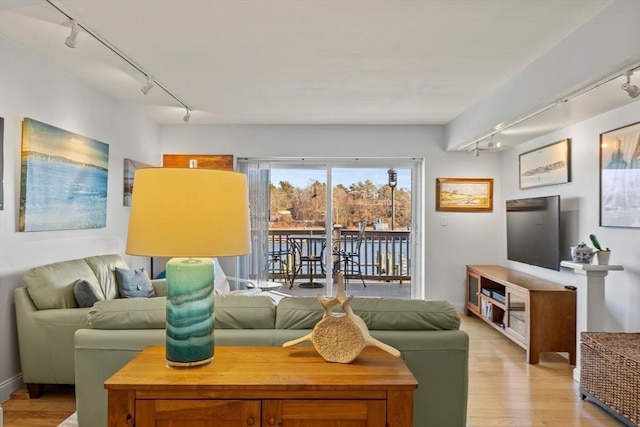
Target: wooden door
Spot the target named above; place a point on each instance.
(517, 315)
(324, 413)
(197, 413)
(473, 293)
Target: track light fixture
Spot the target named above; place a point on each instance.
(632, 90)
(146, 88)
(476, 151)
(72, 39)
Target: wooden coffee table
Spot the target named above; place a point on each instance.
(263, 386)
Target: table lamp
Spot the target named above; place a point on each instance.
(192, 215)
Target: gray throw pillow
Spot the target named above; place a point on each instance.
(85, 295)
(134, 283)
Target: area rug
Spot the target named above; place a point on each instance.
(72, 421)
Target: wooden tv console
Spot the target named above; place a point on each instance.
(536, 314)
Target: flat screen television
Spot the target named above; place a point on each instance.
(533, 231)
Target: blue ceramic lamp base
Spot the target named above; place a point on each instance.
(190, 315)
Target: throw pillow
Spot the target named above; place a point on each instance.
(85, 295)
(134, 283)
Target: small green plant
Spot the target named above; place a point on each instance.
(596, 243)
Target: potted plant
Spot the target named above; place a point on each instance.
(602, 254)
(582, 253)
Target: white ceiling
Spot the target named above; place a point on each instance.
(298, 62)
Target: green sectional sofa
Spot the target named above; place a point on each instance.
(425, 332)
(88, 345)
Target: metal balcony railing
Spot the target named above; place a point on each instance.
(384, 255)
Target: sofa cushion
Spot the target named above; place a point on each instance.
(406, 315)
(244, 312)
(377, 313)
(134, 283)
(103, 266)
(298, 313)
(51, 285)
(85, 294)
(231, 312)
(129, 313)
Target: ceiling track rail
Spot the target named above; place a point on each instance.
(119, 53)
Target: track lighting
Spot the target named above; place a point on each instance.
(632, 90)
(146, 88)
(476, 151)
(72, 39)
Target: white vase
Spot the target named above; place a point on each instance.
(603, 257)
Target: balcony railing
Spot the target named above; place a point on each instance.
(384, 255)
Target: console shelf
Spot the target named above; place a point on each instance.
(536, 314)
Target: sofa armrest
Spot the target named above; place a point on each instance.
(160, 286)
(45, 340)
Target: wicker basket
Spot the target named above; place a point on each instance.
(610, 371)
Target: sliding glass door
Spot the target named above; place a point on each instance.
(313, 219)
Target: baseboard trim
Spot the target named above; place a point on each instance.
(576, 374)
(9, 386)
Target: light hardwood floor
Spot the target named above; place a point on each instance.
(503, 390)
(506, 391)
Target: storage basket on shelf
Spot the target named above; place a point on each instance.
(610, 372)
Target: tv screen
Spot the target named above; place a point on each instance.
(533, 231)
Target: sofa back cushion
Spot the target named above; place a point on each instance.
(51, 286)
(231, 312)
(244, 312)
(129, 313)
(103, 267)
(377, 313)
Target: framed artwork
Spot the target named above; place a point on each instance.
(205, 161)
(64, 179)
(548, 165)
(129, 169)
(464, 194)
(620, 177)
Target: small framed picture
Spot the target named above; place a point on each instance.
(464, 194)
(548, 165)
(620, 177)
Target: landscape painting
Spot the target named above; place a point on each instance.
(130, 167)
(63, 179)
(548, 165)
(464, 194)
(620, 177)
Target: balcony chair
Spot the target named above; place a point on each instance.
(280, 261)
(346, 253)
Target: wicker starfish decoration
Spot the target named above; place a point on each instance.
(340, 337)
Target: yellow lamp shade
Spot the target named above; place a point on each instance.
(188, 213)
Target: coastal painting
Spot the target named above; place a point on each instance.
(464, 194)
(620, 177)
(548, 165)
(63, 179)
(130, 167)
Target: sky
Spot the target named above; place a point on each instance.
(346, 176)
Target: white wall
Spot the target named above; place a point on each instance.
(606, 44)
(30, 87)
(467, 238)
(580, 202)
